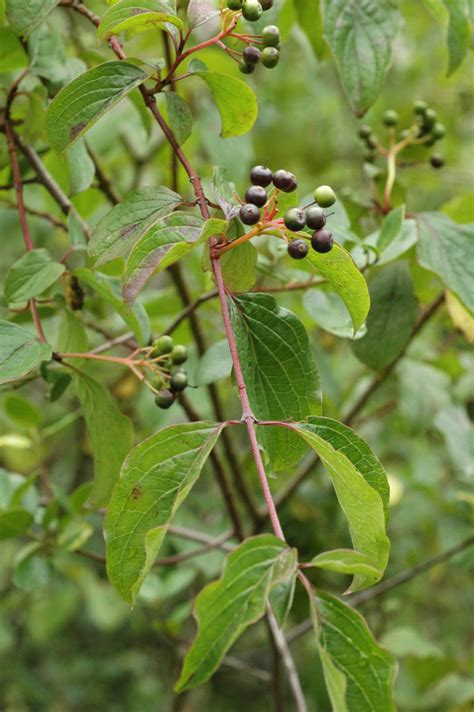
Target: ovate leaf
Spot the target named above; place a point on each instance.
(341, 272)
(361, 487)
(279, 371)
(31, 275)
(118, 231)
(111, 435)
(391, 319)
(236, 102)
(81, 167)
(24, 15)
(20, 352)
(180, 117)
(459, 32)
(345, 561)
(109, 289)
(137, 16)
(14, 522)
(309, 16)
(391, 227)
(225, 608)
(444, 247)
(359, 674)
(360, 33)
(88, 97)
(329, 311)
(201, 11)
(239, 268)
(12, 54)
(156, 477)
(170, 239)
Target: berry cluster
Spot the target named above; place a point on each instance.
(314, 218)
(426, 130)
(256, 196)
(269, 55)
(172, 378)
(252, 10)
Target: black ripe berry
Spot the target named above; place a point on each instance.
(252, 10)
(178, 381)
(246, 68)
(437, 160)
(261, 175)
(285, 181)
(298, 249)
(256, 195)
(315, 218)
(251, 55)
(295, 219)
(322, 241)
(270, 57)
(266, 4)
(249, 214)
(165, 398)
(271, 36)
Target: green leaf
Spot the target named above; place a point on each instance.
(31, 275)
(20, 352)
(236, 102)
(201, 11)
(360, 34)
(81, 167)
(391, 227)
(137, 16)
(345, 561)
(391, 319)
(14, 522)
(341, 272)
(214, 365)
(72, 336)
(170, 239)
(180, 117)
(328, 311)
(361, 487)
(279, 371)
(309, 16)
(127, 222)
(156, 477)
(459, 32)
(225, 608)
(12, 54)
(24, 15)
(111, 435)
(109, 289)
(359, 674)
(239, 268)
(21, 411)
(445, 248)
(87, 98)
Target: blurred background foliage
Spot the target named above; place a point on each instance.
(67, 640)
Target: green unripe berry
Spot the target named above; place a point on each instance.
(371, 141)
(420, 107)
(390, 118)
(295, 219)
(252, 10)
(179, 354)
(165, 399)
(270, 57)
(271, 36)
(438, 131)
(429, 118)
(246, 68)
(369, 156)
(162, 346)
(234, 4)
(178, 382)
(324, 196)
(365, 131)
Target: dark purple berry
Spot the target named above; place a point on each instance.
(249, 214)
(295, 219)
(165, 399)
(322, 241)
(266, 4)
(315, 218)
(285, 181)
(261, 175)
(437, 160)
(256, 195)
(251, 55)
(298, 249)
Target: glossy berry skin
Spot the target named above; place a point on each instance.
(271, 36)
(437, 160)
(438, 131)
(261, 175)
(163, 345)
(178, 382)
(266, 4)
(234, 4)
(285, 181)
(390, 118)
(324, 196)
(420, 107)
(256, 195)
(165, 399)
(179, 354)
(298, 249)
(249, 214)
(322, 241)
(251, 55)
(295, 219)
(315, 218)
(252, 10)
(365, 131)
(270, 57)
(246, 68)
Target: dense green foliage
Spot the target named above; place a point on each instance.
(142, 566)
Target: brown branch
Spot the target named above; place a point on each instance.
(104, 183)
(56, 222)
